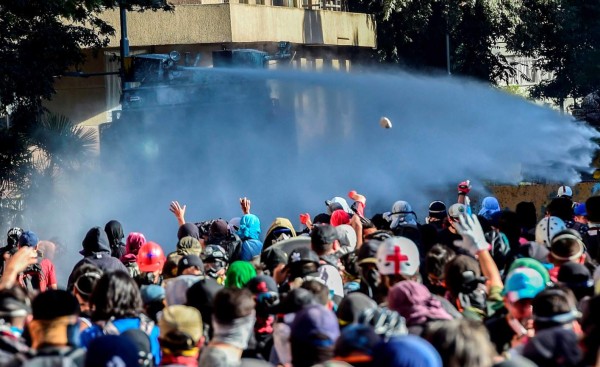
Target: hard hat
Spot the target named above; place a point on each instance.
(150, 257)
(398, 255)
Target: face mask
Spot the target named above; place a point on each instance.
(73, 334)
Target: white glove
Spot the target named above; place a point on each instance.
(473, 238)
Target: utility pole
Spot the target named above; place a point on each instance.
(124, 44)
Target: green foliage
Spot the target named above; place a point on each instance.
(412, 33)
(41, 39)
(564, 38)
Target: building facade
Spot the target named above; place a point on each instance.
(321, 33)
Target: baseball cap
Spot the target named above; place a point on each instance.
(580, 209)
(189, 261)
(323, 234)
(531, 264)
(315, 325)
(179, 319)
(564, 191)
(456, 210)
(151, 293)
(28, 238)
(523, 283)
(367, 253)
(271, 257)
(575, 275)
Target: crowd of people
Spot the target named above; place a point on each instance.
(469, 287)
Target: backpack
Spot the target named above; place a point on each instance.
(232, 246)
(32, 277)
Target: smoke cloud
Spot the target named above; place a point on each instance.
(323, 140)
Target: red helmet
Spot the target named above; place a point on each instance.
(150, 257)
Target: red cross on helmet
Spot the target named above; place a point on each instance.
(150, 257)
(398, 255)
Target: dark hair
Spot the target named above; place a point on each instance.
(437, 258)
(116, 295)
(566, 244)
(15, 297)
(455, 270)
(319, 289)
(526, 214)
(508, 223)
(306, 354)
(461, 342)
(232, 303)
(592, 207)
(561, 208)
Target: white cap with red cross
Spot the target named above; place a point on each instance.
(398, 255)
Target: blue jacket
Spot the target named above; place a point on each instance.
(250, 248)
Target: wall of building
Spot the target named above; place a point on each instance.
(234, 22)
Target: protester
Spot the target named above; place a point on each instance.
(459, 290)
(117, 307)
(40, 276)
(114, 232)
(233, 324)
(96, 251)
(54, 332)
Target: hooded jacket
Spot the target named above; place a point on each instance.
(96, 251)
(114, 231)
(279, 227)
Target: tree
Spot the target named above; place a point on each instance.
(564, 38)
(40, 40)
(412, 33)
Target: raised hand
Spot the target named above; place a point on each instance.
(245, 204)
(178, 211)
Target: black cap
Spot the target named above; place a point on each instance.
(323, 234)
(367, 253)
(53, 304)
(322, 218)
(302, 255)
(575, 275)
(189, 261)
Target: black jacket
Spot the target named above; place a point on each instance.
(96, 251)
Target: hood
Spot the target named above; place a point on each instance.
(489, 206)
(188, 229)
(95, 241)
(279, 227)
(249, 227)
(401, 214)
(114, 232)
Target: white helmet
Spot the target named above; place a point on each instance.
(547, 228)
(398, 255)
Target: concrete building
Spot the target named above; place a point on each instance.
(321, 33)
